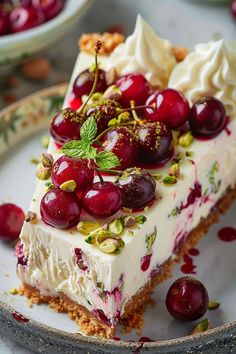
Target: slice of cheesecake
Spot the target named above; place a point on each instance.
(99, 286)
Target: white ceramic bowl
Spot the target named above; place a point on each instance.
(15, 48)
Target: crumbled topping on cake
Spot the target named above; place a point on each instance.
(180, 53)
(109, 42)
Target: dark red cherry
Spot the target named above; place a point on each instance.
(138, 187)
(133, 87)
(172, 108)
(122, 142)
(4, 23)
(65, 126)
(207, 117)
(50, 8)
(102, 199)
(84, 82)
(155, 142)
(67, 168)
(233, 8)
(11, 221)
(145, 262)
(24, 18)
(60, 209)
(187, 299)
(103, 113)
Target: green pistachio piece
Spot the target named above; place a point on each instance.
(156, 176)
(129, 221)
(30, 216)
(86, 227)
(186, 139)
(116, 227)
(213, 305)
(175, 135)
(48, 186)
(109, 243)
(130, 233)
(112, 93)
(90, 239)
(46, 160)
(141, 219)
(201, 327)
(174, 170)
(108, 246)
(189, 153)
(150, 239)
(123, 117)
(43, 172)
(112, 122)
(13, 291)
(169, 180)
(68, 186)
(96, 96)
(34, 160)
(45, 139)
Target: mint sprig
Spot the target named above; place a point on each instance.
(83, 148)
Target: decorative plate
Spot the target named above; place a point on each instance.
(39, 328)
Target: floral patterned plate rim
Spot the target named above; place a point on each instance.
(18, 123)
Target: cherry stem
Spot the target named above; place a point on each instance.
(133, 107)
(97, 46)
(114, 172)
(99, 175)
(133, 110)
(114, 126)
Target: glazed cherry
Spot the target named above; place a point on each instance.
(187, 299)
(138, 187)
(133, 87)
(103, 113)
(11, 221)
(65, 126)
(207, 117)
(84, 82)
(60, 209)
(233, 8)
(155, 142)
(102, 199)
(172, 108)
(24, 18)
(67, 168)
(50, 8)
(122, 142)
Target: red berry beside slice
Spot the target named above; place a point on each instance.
(11, 221)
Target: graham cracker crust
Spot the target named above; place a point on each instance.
(135, 308)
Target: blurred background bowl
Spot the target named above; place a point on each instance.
(19, 47)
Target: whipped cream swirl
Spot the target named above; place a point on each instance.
(145, 53)
(208, 71)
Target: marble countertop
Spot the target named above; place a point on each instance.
(170, 18)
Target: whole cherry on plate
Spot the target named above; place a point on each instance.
(207, 117)
(60, 209)
(187, 299)
(84, 82)
(50, 8)
(102, 199)
(11, 221)
(67, 168)
(155, 142)
(122, 142)
(138, 187)
(172, 108)
(65, 126)
(134, 87)
(24, 18)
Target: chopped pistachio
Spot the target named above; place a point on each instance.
(96, 96)
(108, 246)
(116, 226)
(100, 285)
(169, 180)
(175, 135)
(186, 139)
(43, 172)
(123, 117)
(68, 186)
(13, 291)
(45, 141)
(90, 239)
(112, 93)
(141, 219)
(86, 227)
(110, 76)
(189, 153)
(129, 221)
(150, 239)
(46, 160)
(174, 170)
(130, 233)
(48, 186)
(34, 160)
(109, 243)
(213, 305)
(156, 176)
(112, 122)
(30, 216)
(201, 327)
(127, 210)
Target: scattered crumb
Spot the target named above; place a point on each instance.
(34, 160)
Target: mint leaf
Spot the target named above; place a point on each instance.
(91, 152)
(88, 130)
(106, 160)
(76, 148)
